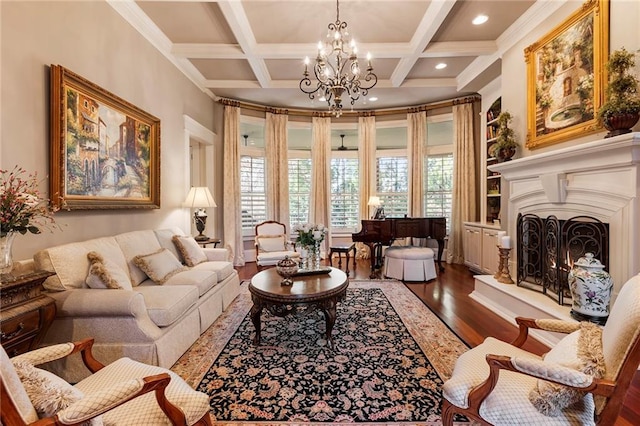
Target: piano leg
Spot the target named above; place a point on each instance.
(440, 251)
(375, 251)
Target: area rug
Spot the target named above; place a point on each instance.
(390, 359)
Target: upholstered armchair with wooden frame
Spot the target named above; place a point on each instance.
(124, 392)
(497, 383)
(273, 244)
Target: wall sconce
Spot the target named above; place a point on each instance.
(200, 198)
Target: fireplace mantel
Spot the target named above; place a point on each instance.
(600, 179)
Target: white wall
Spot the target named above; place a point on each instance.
(624, 31)
(91, 39)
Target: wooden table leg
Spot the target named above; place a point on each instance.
(256, 311)
(329, 310)
(347, 256)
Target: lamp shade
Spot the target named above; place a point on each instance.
(374, 201)
(199, 197)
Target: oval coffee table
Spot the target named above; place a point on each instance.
(320, 291)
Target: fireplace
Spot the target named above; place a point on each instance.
(548, 247)
(599, 179)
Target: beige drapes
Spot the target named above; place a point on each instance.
(277, 173)
(463, 205)
(320, 208)
(417, 138)
(367, 174)
(231, 206)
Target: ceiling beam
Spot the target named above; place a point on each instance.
(239, 23)
(434, 17)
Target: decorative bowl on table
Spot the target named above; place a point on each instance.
(287, 268)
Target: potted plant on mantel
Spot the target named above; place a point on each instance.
(621, 110)
(505, 146)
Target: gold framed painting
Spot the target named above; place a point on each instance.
(566, 77)
(105, 152)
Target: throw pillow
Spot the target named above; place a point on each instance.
(106, 274)
(580, 350)
(159, 266)
(267, 243)
(191, 252)
(48, 393)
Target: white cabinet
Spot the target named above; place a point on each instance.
(490, 255)
(480, 247)
(472, 247)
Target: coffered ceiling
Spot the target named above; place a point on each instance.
(253, 51)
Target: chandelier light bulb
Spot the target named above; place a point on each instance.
(368, 56)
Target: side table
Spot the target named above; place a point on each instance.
(214, 241)
(25, 313)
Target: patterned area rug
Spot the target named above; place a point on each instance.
(391, 357)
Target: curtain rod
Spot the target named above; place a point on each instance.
(364, 113)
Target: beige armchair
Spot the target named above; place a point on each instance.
(582, 380)
(124, 392)
(273, 244)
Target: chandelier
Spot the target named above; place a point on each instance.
(337, 71)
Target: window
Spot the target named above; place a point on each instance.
(345, 193)
(299, 190)
(438, 185)
(392, 184)
(253, 200)
(438, 167)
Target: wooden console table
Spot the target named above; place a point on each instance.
(25, 313)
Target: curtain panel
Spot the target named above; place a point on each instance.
(367, 175)
(417, 138)
(277, 173)
(463, 204)
(320, 208)
(231, 205)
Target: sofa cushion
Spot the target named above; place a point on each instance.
(136, 243)
(275, 255)
(222, 269)
(203, 280)
(166, 304)
(70, 275)
(104, 273)
(165, 236)
(191, 252)
(159, 266)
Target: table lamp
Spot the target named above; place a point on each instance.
(376, 203)
(199, 198)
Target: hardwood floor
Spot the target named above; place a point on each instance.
(448, 297)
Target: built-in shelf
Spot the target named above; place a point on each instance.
(492, 189)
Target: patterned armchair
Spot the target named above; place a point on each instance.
(582, 380)
(124, 392)
(272, 244)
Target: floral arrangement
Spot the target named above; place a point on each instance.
(22, 209)
(308, 234)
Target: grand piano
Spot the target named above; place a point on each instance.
(377, 233)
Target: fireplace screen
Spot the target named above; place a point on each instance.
(547, 249)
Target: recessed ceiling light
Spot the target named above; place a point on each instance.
(373, 98)
(480, 19)
(441, 65)
(322, 99)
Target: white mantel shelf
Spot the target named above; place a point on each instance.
(623, 150)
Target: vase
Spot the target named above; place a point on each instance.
(6, 258)
(316, 254)
(590, 287)
(619, 124)
(505, 154)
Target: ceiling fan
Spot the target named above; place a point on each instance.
(342, 147)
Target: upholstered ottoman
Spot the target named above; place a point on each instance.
(409, 263)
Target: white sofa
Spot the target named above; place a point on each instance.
(151, 323)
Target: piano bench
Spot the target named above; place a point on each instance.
(346, 249)
(407, 263)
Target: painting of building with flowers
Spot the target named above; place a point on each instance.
(110, 148)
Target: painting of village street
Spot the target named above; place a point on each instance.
(564, 91)
(107, 152)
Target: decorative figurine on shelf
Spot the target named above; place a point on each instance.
(591, 289)
(286, 268)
